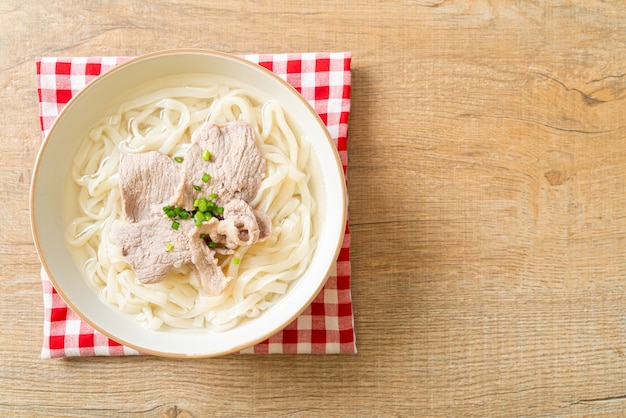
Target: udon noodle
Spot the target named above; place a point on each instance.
(164, 120)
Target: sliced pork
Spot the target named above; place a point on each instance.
(158, 197)
(153, 248)
(235, 165)
(147, 181)
(212, 278)
(241, 225)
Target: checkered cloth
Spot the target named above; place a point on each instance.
(327, 325)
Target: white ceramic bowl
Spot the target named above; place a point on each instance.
(52, 168)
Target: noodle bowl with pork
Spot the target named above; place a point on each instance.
(155, 104)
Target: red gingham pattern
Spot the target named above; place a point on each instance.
(327, 325)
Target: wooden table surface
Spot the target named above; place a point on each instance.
(487, 180)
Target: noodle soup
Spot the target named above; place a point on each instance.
(163, 119)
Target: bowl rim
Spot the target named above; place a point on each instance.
(336, 164)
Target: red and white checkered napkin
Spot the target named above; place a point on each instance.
(327, 325)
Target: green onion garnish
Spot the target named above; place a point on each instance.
(204, 208)
(206, 177)
(236, 260)
(197, 188)
(199, 218)
(202, 205)
(206, 155)
(179, 159)
(169, 246)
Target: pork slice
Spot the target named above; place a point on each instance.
(212, 278)
(151, 180)
(147, 180)
(264, 224)
(236, 165)
(240, 225)
(153, 248)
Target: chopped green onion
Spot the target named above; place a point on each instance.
(213, 196)
(202, 236)
(171, 213)
(206, 177)
(219, 210)
(178, 159)
(197, 188)
(212, 244)
(167, 208)
(206, 155)
(236, 260)
(169, 246)
(199, 218)
(183, 214)
(175, 225)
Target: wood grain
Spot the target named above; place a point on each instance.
(487, 170)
